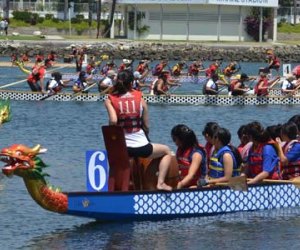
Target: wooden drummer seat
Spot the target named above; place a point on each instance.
(127, 173)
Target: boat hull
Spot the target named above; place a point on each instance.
(153, 99)
(154, 205)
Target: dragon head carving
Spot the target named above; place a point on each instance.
(20, 159)
(4, 111)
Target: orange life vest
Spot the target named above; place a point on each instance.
(184, 159)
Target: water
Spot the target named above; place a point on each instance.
(68, 129)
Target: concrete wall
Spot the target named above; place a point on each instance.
(202, 24)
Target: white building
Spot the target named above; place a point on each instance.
(210, 20)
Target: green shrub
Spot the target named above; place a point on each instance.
(49, 16)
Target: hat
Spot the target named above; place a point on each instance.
(290, 77)
(111, 73)
(137, 75)
(244, 76)
(127, 61)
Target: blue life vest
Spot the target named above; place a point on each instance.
(216, 166)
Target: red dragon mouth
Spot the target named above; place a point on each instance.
(12, 164)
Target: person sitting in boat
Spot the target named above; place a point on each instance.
(143, 67)
(36, 77)
(214, 68)
(162, 85)
(159, 68)
(264, 84)
(289, 151)
(296, 119)
(225, 161)
(262, 160)
(126, 65)
(177, 68)
(208, 132)
(290, 85)
(244, 140)
(138, 83)
(191, 156)
(51, 59)
(25, 58)
(108, 82)
(273, 61)
(135, 122)
(110, 65)
(237, 85)
(195, 68)
(56, 84)
(13, 59)
(91, 67)
(82, 82)
(39, 57)
(211, 87)
(231, 69)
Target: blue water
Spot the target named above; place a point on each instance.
(68, 129)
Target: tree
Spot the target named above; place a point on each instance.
(286, 3)
(99, 8)
(6, 9)
(66, 9)
(111, 19)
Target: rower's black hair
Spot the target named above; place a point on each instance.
(210, 128)
(185, 135)
(296, 120)
(290, 129)
(223, 135)
(124, 81)
(257, 132)
(56, 75)
(274, 131)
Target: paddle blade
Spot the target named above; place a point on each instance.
(238, 183)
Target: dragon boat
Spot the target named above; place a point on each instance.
(131, 191)
(178, 99)
(150, 78)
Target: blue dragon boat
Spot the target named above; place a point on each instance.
(131, 193)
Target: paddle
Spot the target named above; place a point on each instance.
(238, 183)
(17, 82)
(291, 93)
(295, 182)
(82, 91)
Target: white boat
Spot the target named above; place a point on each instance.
(153, 99)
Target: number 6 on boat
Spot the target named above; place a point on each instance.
(97, 170)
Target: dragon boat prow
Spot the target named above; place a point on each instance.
(132, 194)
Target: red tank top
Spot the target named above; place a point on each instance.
(128, 109)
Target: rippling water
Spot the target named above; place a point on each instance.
(68, 129)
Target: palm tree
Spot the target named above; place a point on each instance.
(111, 19)
(99, 7)
(66, 9)
(6, 9)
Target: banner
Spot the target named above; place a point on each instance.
(162, 1)
(253, 3)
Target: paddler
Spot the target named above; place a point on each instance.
(191, 156)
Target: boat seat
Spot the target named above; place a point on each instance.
(125, 173)
(118, 159)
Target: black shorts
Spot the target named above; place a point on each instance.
(143, 152)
